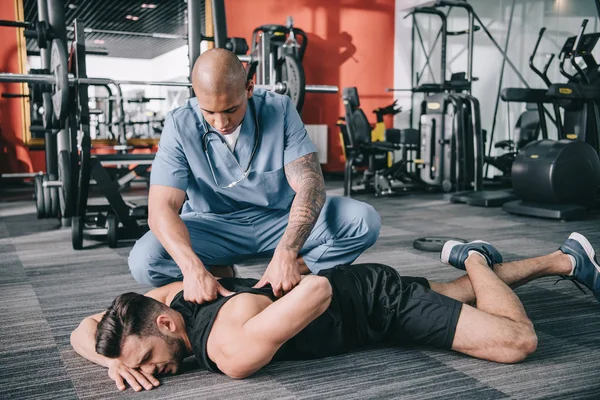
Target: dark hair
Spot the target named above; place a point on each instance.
(129, 314)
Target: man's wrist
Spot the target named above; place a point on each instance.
(287, 254)
(191, 267)
(108, 362)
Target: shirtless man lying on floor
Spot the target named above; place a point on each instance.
(343, 308)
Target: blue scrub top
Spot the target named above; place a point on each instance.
(181, 161)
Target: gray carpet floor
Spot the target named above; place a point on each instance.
(46, 288)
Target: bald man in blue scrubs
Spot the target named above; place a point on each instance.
(254, 188)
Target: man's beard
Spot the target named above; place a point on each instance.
(177, 349)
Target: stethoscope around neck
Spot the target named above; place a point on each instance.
(245, 172)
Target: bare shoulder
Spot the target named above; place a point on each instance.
(227, 333)
(165, 294)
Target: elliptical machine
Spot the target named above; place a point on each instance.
(560, 179)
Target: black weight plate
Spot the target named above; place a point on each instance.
(59, 67)
(292, 74)
(55, 212)
(434, 243)
(40, 205)
(66, 190)
(113, 231)
(77, 233)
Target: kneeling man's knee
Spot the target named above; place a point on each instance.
(140, 261)
(370, 223)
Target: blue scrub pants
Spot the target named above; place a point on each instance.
(344, 230)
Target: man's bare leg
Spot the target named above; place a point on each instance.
(498, 329)
(514, 274)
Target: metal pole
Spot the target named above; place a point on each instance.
(412, 70)
(15, 24)
(471, 45)
(279, 87)
(56, 18)
(220, 23)
(263, 66)
(128, 33)
(425, 53)
(195, 15)
(444, 30)
(491, 139)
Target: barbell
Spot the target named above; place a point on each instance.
(61, 80)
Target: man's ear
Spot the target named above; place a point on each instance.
(249, 88)
(165, 323)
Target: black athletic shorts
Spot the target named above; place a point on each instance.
(402, 309)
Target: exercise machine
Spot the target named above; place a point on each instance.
(560, 179)
(280, 49)
(379, 177)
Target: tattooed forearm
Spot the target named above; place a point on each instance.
(305, 177)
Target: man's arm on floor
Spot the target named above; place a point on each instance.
(83, 338)
(83, 341)
(252, 346)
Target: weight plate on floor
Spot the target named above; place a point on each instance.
(77, 233)
(38, 194)
(59, 67)
(292, 74)
(113, 230)
(434, 243)
(66, 190)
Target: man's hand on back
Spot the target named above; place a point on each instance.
(282, 273)
(200, 286)
(137, 379)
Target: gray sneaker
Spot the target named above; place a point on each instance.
(455, 253)
(587, 270)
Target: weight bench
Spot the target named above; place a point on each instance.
(119, 219)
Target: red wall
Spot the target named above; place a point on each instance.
(14, 157)
(350, 43)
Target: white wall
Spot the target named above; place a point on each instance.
(171, 66)
(561, 17)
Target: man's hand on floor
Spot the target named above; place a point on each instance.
(282, 273)
(201, 286)
(136, 378)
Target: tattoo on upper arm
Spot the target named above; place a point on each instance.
(305, 177)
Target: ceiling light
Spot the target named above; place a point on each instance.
(98, 41)
(149, 5)
(132, 17)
